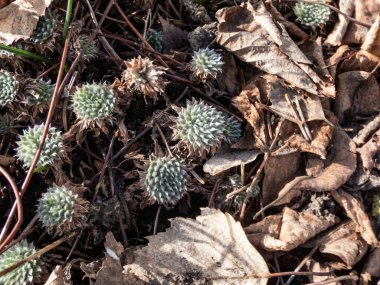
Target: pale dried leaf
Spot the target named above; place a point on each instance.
(56, 277)
(19, 19)
(336, 174)
(336, 36)
(372, 39)
(252, 35)
(279, 170)
(368, 151)
(111, 271)
(275, 90)
(248, 104)
(366, 12)
(355, 210)
(345, 244)
(212, 247)
(223, 161)
(372, 266)
(287, 231)
(357, 93)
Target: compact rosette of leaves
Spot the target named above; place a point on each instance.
(39, 94)
(93, 104)
(203, 128)
(9, 87)
(312, 14)
(29, 142)
(144, 76)
(62, 209)
(156, 40)
(44, 35)
(166, 180)
(205, 64)
(23, 274)
(90, 52)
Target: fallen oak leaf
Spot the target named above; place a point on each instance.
(288, 230)
(343, 246)
(213, 248)
(19, 19)
(332, 177)
(250, 33)
(355, 210)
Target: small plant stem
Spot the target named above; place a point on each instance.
(67, 19)
(25, 53)
(156, 220)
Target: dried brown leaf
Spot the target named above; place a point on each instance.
(333, 61)
(288, 230)
(223, 161)
(355, 210)
(248, 104)
(250, 33)
(357, 93)
(361, 60)
(111, 271)
(227, 79)
(336, 174)
(278, 171)
(372, 266)
(6, 160)
(365, 12)
(19, 19)
(368, 151)
(345, 245)
(336, 36)
(213, 247)
(318, 267)
(56, 277)
(275, 90)
(372, 40)
(173, 37)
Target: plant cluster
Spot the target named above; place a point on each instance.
(203, 128)
(312, 14)
(9, 87)
(206, 64)
(166, 180)
(23, 274)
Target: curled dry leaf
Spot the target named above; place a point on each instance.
(227, 79)
(370, 128)
(372, 39)
(250, 33)
(368, 151)
(223, 161)
(173, 37)
(334, 175)
(19, 19)
(372, 266)
(336, 36)
(355, 210)
(248, 104)
(345, 244)
(213, 247)
(288, 230)
(357, 93)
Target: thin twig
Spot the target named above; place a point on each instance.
(156, 220)
(335, 279)
(4, 241)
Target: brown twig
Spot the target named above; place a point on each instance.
(336, 279)
(4, 241)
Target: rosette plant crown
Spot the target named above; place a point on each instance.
(29, 142)
(166, 180)
(23, 274)
(312, 14)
